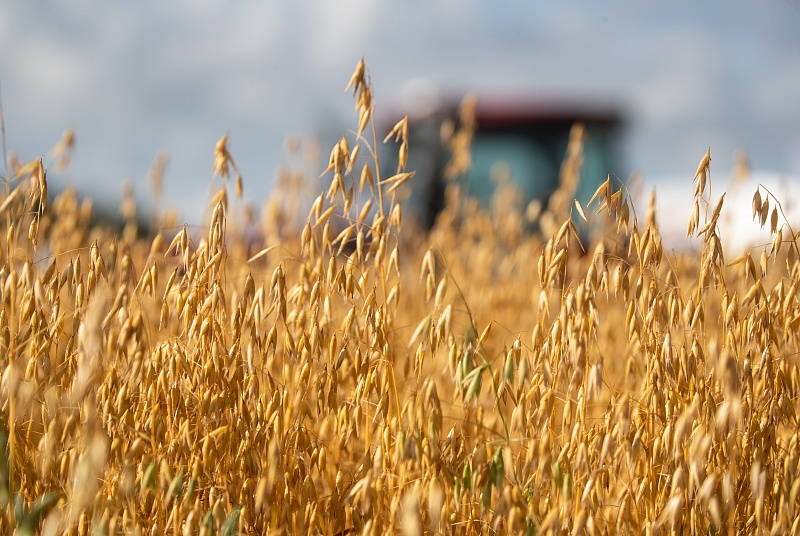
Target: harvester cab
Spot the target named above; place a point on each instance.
(515, 140)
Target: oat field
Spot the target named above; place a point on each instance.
(356, 376)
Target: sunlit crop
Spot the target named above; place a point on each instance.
(354, 375)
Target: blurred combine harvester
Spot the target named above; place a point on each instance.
(517, 141)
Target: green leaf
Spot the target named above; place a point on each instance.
(567, 488)
(471, 336)
(190, 491)
(175, 488)
(5, 491)
(231, 525)
(208, 521)
(28, 523)
(497, 471)
(19, 506)
(465, 365)
(558, 476)
(475, 385)
(487, 495)
(508, 369)
(149, 478)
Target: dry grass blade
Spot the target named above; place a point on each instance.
(397, 181)
(702, 168)
(581, 213)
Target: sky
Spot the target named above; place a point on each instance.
(135, 78)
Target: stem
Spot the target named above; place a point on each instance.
(11, 454)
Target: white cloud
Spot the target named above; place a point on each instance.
(50, 75)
